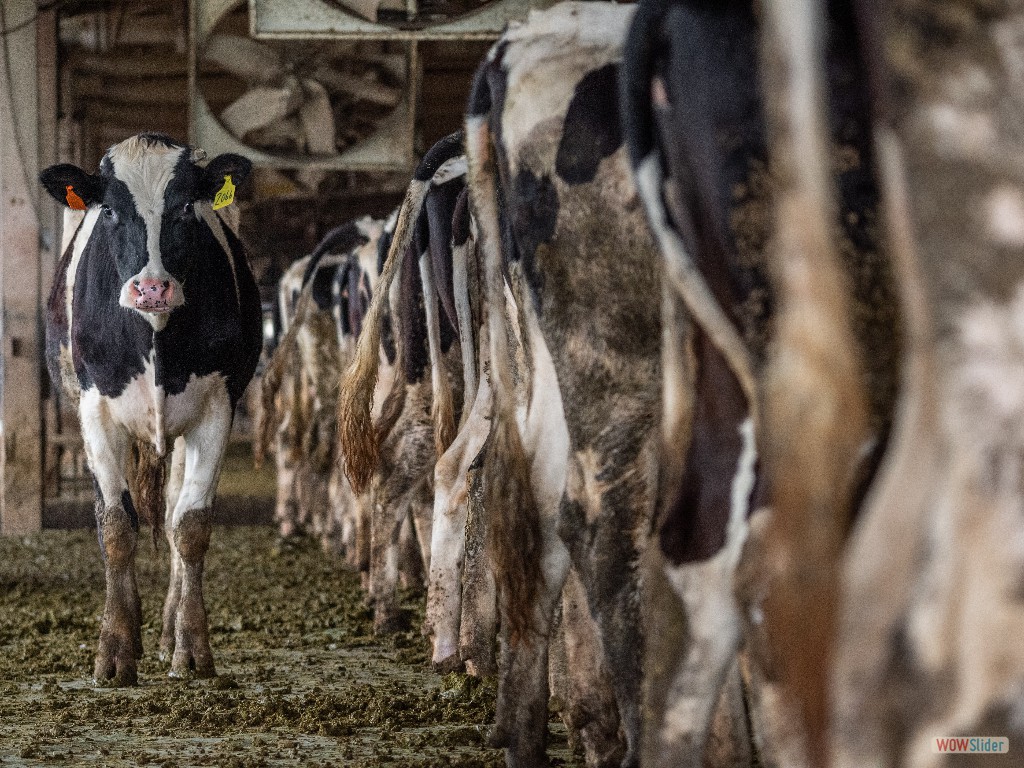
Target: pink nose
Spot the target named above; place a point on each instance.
(151, 294)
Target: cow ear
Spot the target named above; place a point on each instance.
(70, 185)
(228, 164)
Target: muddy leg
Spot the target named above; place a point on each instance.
(448, 544)
(410, 562)
(117, 524)
(174, 481)
(388, 514)
(479, 623)
(192, 525)
(286, 510)
(705, 590)
(192, 652)
(422, 520)
(448, 540)
(361, 558)
(590, 708)
(120, 633)
(521, 716)
(730, 743)
(608, 497)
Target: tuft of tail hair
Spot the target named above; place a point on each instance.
(147, 479)
(443, 410)
(280, 366)
(513, 531)
(358, 436)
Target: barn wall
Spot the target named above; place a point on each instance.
(21, 447)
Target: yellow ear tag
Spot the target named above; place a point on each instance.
(225, 196)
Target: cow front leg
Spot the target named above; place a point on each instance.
(192, 524)
(117, 524)
(173, 491)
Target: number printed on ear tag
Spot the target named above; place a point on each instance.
(226, 195)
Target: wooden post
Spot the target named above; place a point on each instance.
(21, 353)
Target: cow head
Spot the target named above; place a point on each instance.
(148, 201)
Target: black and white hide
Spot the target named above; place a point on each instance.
(153, 327)
(570, 473)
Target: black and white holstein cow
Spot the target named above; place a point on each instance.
(766, 221)
(570, 473)
(153, 326)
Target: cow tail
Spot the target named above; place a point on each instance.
(358, 437)
(681, 273)
(442, 404)
(147, 479)
(466, 287)
(281, 364)
(513, 532)
(814, 450)
(268, 419)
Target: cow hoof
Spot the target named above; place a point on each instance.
(115, 672)
(476, 668)
(116, 659)
(186, 665)
(451, 664)
(388, 622)
(497, 737)
(166, 652)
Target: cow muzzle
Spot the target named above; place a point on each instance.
(150, 294)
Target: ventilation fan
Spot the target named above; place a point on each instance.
(393, 19)
(343, 105)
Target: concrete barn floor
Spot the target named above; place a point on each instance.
(302, 681)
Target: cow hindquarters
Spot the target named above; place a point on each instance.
(117, 523)
(191, 526)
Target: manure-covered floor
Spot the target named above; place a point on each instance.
(302, 681)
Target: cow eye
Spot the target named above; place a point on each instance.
(189, 207)
(107, 211)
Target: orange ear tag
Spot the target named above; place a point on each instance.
(74, 201)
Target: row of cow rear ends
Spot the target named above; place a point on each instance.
(687, 379)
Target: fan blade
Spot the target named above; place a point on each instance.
(256, 108)
(317, 119)
(249, 59)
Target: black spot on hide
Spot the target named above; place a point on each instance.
(534, 210)
(591, 131)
